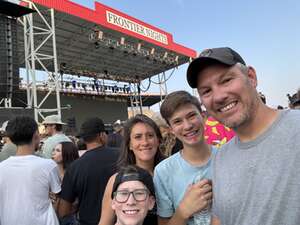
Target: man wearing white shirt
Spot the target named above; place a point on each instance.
(26, 179)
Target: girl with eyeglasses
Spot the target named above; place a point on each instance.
(133, 195)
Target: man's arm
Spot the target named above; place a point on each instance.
(64, 208)
(176, 219)
(54, 187)
(197, 197)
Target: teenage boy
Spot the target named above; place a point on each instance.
(182, 181)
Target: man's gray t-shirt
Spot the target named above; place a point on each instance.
(258, 182)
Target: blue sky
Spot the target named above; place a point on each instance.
(266, 33)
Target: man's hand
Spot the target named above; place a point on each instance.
(197, 197)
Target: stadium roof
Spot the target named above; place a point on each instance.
(106, 43)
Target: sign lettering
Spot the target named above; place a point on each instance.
(135, 27)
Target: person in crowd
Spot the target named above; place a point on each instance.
(73, 139)
(86, 177)
(133, 195)
(96, 83)
(8, 149)
(170, 144)
(115, 138)
(81, 147)
(280, 107)
(53, 126)
(140, 147)
(182, 181)
(26, 179)
(64, 154)
(256, 176)
(294, 101)
(74, 83)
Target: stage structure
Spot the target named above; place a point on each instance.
(64, 38)
(10, 10)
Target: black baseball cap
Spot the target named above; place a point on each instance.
(222, 55)
(133, 173)
(91, 127)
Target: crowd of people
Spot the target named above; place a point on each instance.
(237, 163)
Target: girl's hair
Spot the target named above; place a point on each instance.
(127, 156)
(69, 153)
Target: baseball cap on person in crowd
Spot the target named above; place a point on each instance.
(53, 119)
(91, 127)
(134, 173)
(224, 55)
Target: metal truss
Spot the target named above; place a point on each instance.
(35, 38)
(162, 82)
(136, 103)
(6, 103)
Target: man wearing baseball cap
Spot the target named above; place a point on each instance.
(86, 177)
(256, 176)
(133, 195)
(53, 126)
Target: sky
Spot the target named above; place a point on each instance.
(266, 33)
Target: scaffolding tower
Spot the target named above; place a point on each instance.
(136, 102)
(44, 32)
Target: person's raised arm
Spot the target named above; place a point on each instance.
(196, 198)
(107, 213)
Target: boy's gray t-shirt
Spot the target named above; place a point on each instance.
(258, 182)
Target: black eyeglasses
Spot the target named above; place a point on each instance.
(139, 195)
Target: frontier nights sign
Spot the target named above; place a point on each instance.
(135, 27)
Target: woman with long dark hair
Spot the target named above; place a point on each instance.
(142, 139)
(64, 154)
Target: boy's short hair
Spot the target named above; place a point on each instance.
(175, 100)
(21, 129)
